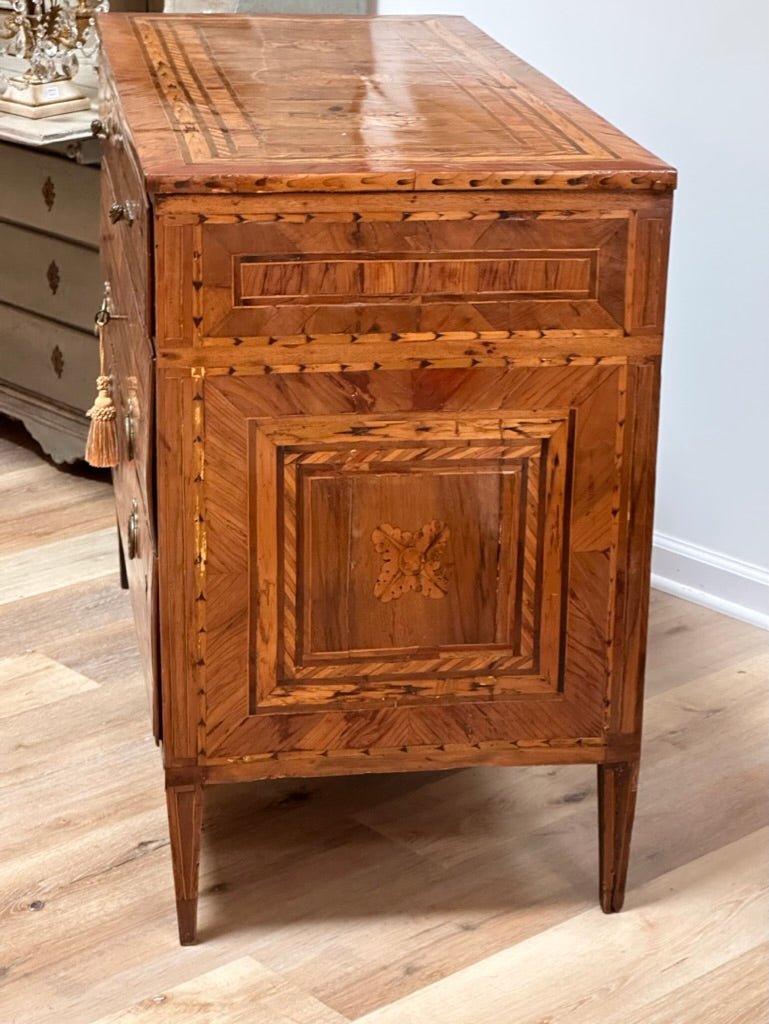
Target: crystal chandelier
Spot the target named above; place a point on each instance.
(52, 36)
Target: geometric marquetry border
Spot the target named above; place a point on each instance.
(289, 454)
(560, 273)
(212, 122)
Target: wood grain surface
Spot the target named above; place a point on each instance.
(292, 104)
(401, 898)
(394, 657)
(586, 270)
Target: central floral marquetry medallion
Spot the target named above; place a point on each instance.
(411, 561)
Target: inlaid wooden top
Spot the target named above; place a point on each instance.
(333, 104)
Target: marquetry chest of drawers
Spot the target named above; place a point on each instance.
(387, 313)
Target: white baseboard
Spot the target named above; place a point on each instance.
(716, 581)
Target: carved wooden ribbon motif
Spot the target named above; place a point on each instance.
(411, 561)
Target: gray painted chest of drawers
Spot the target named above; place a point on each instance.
(49, 284)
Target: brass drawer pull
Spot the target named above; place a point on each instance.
(133, 530)
(123, 211)
(129, 425)
(105, 129)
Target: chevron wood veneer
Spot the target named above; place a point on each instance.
(388, 314)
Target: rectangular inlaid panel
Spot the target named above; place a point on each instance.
(417, 555)
(389, 272)
(403, 545)
(378, 566)
(552, 275)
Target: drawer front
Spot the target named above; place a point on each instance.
(392, 557)
(393, 273)
(125, 240)
(48, 193)
(132, 368)
(48, 276)
(48, 359)
(141, 569)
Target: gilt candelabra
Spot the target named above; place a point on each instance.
(51, 36)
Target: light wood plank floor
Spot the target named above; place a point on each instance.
(467, 896)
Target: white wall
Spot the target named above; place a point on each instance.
(688, 80)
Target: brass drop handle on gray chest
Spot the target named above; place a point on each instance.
(132, 531)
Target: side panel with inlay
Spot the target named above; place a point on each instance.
(411, 548)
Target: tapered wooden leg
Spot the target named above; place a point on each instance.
(185, 813)
(617, 786)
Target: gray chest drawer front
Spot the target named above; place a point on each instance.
(49, 276)
(47, 359)
(49, 193)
